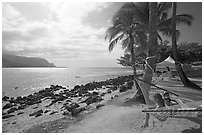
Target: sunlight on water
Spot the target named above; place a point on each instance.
(24, 81)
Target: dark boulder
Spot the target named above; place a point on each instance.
(90, 86)
(76, 111)
(109, 91)
(7, 116)
(102, 94)
(99, 106)
(12, 100)
(76, 87)
(129, 84)
(35, 107)
(123, 88)
(47, 111)
(22, 106)
(53, 112)
(19, 100)
(48, 94)
(92, 99)
(115, 87)
(20, 113)
(87, 94)
(95, 93)
(61, 97)
(9, 105)
(11, 110)
(47, 89)
(57, 99)
(5, 98)
(70, 107)
(57, 87)
(39, 114)
(36, 113)
(68, 100)
(66, 113)
(33, 101)
(73, 95)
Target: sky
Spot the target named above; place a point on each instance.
(71, 34)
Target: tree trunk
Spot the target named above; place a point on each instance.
(152, 44)
(179, 69)
(139, 97)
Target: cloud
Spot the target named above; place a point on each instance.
(61, 35)
(11, 17)
(97, 18)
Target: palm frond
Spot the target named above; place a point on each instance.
(112, 32)
(164, 16)
(124, 16)
(168, 32)
(165, 23)
(140, 10)
(115, 41)
(184, 19)
(159, 38)
(180, 19)
(164, 7)
(125, 43)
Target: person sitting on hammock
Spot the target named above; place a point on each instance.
(160, 103)
(168, 101)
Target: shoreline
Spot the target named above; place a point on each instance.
(60, 109)
(25, 84)
(57, 101)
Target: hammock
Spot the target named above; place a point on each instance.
(164, 114)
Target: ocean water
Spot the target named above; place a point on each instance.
(25, 81)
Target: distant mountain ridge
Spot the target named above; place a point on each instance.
(9, 61)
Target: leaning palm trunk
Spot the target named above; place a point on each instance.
(179, 69)
(148, 73)
(139, 97)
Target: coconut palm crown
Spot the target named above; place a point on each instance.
(125, 30)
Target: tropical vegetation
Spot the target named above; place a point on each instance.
(138, 28)
(180, 71)
(188, 53)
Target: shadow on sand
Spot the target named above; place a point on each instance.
(193, 130)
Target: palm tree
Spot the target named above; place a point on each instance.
(153, 37)
(164, 23)
(125, 31)
(181, 73)
(152, 45)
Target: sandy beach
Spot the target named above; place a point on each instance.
(112, 114)
(101, 67)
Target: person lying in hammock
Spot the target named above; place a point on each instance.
(161, 104)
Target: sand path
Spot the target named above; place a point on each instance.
(117, 117)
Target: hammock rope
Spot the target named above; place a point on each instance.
(151, 84)
(164, 114)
